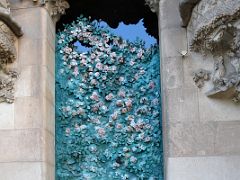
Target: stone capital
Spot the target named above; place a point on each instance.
(153, 5)
(56, 8)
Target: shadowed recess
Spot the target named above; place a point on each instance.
(113, 12)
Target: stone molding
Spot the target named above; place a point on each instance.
(214, 31)
(56, 8)
(5, 16)
(9, 29)
(153, 5)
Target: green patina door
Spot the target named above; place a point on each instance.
(108, 115)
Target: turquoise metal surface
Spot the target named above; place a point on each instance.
(108, 114)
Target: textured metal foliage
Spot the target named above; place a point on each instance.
(107, 106)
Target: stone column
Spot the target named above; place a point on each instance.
(201, 133)
(27, 142)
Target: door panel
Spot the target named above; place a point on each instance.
(108, 115)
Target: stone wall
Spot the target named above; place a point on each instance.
(201, 134)
(27, 125)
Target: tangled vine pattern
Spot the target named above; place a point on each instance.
(108, 123)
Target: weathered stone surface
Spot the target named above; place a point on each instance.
(49, 116)
(172, 73)
(28, 83)
(48, 85)
(201, 133)
(48, 171)
(29, 17)
(203, 168)
(28, 113)
(20, 145)
(31, 139)
(211, 109)
(6, 116)
(49, 148)
(22, 171)
(174, 40)
(182, 105)
(227, 138)
(192, 63)
(191, 139)
(33, 45)
(186, 7)
(170, 18)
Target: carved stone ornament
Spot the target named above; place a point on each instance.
(56, 7)
(214, 30)
(9, 29)
(153, 4)
(200, 76)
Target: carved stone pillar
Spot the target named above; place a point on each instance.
(27, 126)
